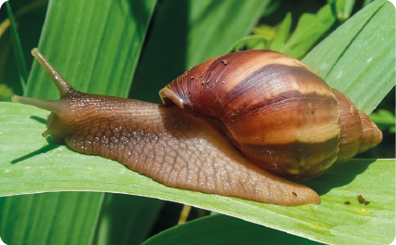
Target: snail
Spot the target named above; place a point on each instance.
(243, 125)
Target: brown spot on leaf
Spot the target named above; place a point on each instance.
(360, 199)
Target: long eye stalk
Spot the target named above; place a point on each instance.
(49, 105)
(65, 89)
(63, 86)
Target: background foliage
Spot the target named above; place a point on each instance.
(133, 48)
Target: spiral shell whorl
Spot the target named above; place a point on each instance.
(371, 136)
(358, 132)
(275, 109)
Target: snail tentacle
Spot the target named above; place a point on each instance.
(49, 105)
(63, 86)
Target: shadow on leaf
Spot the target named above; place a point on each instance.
(339, 175)
(42, 150)
(39, 119)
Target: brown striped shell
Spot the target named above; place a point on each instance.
(276, 110)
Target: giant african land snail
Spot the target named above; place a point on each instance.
(273, 108)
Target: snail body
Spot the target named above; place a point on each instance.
(185, 144)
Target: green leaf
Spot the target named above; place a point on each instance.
(309, 29)
(186, 33)
(5, 92)
(36, 166)
(255, 39)
(344, 9)
(359, 57)
(223, 230)
(126, 219)
(367, 2)
(42, 219)
(30, 165)
(266, 31)
(91, 44)
(384, 117)
(94, 46)
(283, 33)
(273, 6)
(20, 59)
(392, 129)
(29, 30)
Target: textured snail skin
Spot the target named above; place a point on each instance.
(161, 142)
(276, 110)
(189, 149)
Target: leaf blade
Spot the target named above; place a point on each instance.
(41, 219)
(60, 170)
(283, 33)
(20, 59)
(340, 59)
(308, 31)
(223, 230)
(82, 38)
(96, 35)
(299, 221)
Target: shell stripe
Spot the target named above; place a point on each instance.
(307, 99)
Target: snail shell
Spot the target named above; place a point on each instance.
(279, 112)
